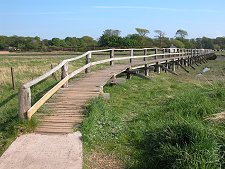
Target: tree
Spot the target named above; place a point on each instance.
(160, 35)
(207, 43)
(181, 34)
(111, 32)
(110, 38)
(142, 32)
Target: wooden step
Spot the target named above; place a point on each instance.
(53, 131)
(65, 118)
(66, 105)
(61, 115)
(46, 124)
(65, 102)
(62, 120)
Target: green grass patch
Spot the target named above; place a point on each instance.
(158, 123)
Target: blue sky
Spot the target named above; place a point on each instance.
(76, 18)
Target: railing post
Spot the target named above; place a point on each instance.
(24, 101)
(65, 73)
(112, 54)
(169, 54)
(88, 60)
(156, 51)
(145, 53)
(131, 54)
(164, 53)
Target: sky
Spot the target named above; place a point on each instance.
(77, 18)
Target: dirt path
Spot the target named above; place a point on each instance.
(36, 151)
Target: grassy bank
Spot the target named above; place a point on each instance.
(164, 122)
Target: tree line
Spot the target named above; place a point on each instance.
(111, 38)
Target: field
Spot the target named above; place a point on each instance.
(166, 122)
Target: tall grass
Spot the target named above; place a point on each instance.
(158, 124)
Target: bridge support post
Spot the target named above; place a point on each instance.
(174, 66)
(65, 73)
(88, 60)
(178, 60)
(145, 53)
(158, 69)
(112, 54)
(24, 101)
(146, 70)
(167, 67)
(186, 62)
(131, 54)
(128, 73)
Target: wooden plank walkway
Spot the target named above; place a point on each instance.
(67, 105)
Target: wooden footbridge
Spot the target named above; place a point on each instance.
(70, 96)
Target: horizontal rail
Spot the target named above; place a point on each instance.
(44, 76)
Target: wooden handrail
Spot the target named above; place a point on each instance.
(25, 93)
(44, 76)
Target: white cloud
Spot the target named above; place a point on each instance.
(156, 8)
(36, 13)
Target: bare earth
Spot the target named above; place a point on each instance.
(36, 151)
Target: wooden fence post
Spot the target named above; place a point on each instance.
(145, 53)
(146, 70)
(164, 53)
(24, 101)
(88, 60)
(112, 54)
(13, 78)
(53, 74)
(131, 54)
(64, 74)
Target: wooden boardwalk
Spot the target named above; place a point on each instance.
(67, 106)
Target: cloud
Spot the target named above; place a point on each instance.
(36, 13)
(156, 8)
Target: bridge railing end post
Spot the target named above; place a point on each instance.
(24, 101)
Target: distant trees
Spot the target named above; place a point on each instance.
(110, 38)
(111, 32)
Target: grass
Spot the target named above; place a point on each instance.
(159, 123)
